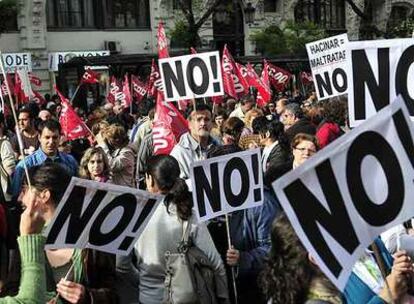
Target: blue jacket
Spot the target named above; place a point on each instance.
(250, 233)
(357, 292)
(38, 158)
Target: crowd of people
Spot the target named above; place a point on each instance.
(266, 262)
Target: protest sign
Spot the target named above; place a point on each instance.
(191, 76)
(341, 199)
(227, 183)
(56, 58)
(327, 58)
(100, 216)
(378, 71)
(17, 61)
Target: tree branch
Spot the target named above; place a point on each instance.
(207, 14)
(356, 9)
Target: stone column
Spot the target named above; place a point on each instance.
(33, 37)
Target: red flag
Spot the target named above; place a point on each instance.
(72, 125)
(263, 99)
(113, 90)
(228, 72)
(254, 81)
(35, 80)
(168, 126)
(306, 78)
(279, 78)
(193, 50)
(139, 89)
(241, 72)
(125, 97)
(154, 82)
(3, 88)
(162, 42)
(38, 98)
(90, 77)
(18, 89)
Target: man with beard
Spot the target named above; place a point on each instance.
(193, 145)
(29, 134)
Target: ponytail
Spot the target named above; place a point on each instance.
(181, 198)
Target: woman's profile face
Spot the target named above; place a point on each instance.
(96, 165)
(303, 151)
(219, 120)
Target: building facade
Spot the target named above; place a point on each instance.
(54, 31)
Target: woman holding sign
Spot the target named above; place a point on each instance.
(163, 234)
(72, 275)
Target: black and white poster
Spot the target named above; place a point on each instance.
(346, 195)
(327, 59)
(100, 216)
(191, 76)
(378, 71)
(227, 183)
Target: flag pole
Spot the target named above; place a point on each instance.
(74, 94)
(2, 101)
(18, 131)
(233, 273)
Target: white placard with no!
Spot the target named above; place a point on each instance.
(346, 195)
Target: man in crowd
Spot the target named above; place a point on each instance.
(194, 144)
(29, 134)
(246, 104)
(280, 107)
(49, 139)
(295, 122)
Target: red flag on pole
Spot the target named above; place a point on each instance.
(228, 72)
(162, 42)
(193, 50)
(38, 98)
(168, 126)
(35, 80)
(279, 78)
(139, 89)
(90, 77)
(113, 90)
(3, 88)
(241, 72)
(154, 82)
(263, 99)
(72, 125)
(126, 98)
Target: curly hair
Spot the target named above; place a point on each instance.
(83, 167)
(335, 111)
(288, 272)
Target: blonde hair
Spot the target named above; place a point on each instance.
(250, 115)
(83, 167)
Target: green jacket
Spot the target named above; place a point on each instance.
(32, 288)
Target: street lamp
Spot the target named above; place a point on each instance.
(249, 13)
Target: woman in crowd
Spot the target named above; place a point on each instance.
(219, 119)
(329, 129)
(94, 165)
(248, 120)
(291, 276)
(72, 275)
(163, 233)
(114, 141)
(276, 150)
(303, 146)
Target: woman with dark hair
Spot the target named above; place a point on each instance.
(276, 150)
(162, 234)
(329, 129)
(291, 276)
(72, 275)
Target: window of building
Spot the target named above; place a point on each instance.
(270, 6)
(9, 15)
(118, 14)
(70, 14)
(128, 13)
(176, 5)
(329, 14)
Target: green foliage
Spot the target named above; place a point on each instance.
(403, 30)
(182, 36)
(8, 10)
(291, 39)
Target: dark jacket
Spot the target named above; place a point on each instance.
(301, 126)
(278, 156)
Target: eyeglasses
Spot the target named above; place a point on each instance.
(310, 151)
